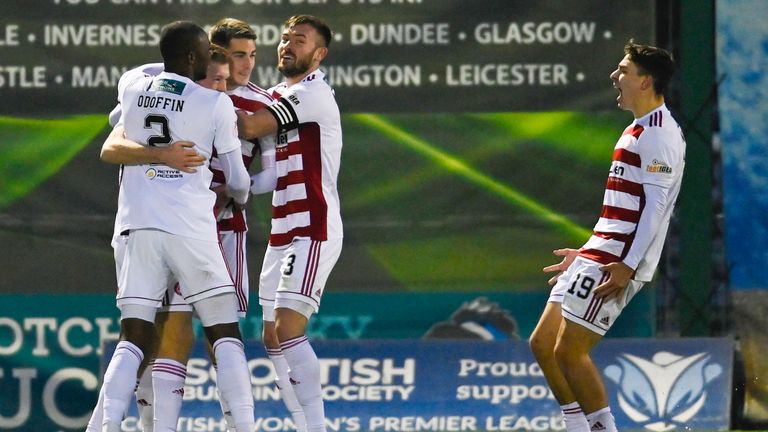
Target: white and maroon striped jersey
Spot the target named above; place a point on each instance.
(306, 201)
(651, 151)
(249, 98)
(158, 111)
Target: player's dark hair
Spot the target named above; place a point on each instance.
(226, 29)
(219, 54)
(653, 61)
(178, 39)
(318, 24)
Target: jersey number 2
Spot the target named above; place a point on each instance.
(162, 139)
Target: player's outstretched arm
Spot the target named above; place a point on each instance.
(256, 125)
(181, 155)
(568, 256)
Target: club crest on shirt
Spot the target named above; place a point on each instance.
(659, 167)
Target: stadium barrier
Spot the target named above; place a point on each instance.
(431, 385)
(51, 348)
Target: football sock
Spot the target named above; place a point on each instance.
(304, 376)
(234, 381)
(575, 420)
(120, 381)
(168, 378)
(144, 396)
(225, 409)
(283, 383)
(94, 424)
(602, 420)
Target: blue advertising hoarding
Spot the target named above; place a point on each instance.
(51, 345)
(429, 385)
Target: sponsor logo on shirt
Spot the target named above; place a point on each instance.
(168, 85)
(166, 174)
(293, 99)
(659, 167)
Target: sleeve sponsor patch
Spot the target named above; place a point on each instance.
(658, 166)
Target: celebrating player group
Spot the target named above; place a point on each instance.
(185, 133)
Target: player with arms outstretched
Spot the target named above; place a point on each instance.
(599, 279)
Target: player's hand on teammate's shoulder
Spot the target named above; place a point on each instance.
(242, 124)
(619, 276)
(568, 256)
(182, 156)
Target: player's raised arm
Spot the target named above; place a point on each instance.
(181, 155)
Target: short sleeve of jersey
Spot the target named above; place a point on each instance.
(301, 103)
(661, 157)
(150, 69)
(225, 139)
(130, 76)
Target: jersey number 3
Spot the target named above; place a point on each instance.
(165, 137)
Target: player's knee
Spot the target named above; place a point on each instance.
(139, 332)
(565, 355)
(220, 331)
(541, 346)
(176, 350)
(269, 335)
(291, 319)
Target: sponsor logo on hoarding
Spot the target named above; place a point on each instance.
(665, 392)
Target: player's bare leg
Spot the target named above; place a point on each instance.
(542, 343)
(574, 343)
(282, 372)
(304, 374)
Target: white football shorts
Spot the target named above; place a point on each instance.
(296, 273)
(579, 304)
(153, 260)
(233, 247)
